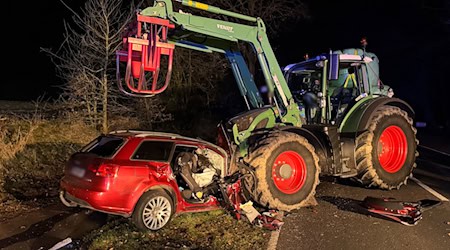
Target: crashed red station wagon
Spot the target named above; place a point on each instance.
(131, 173)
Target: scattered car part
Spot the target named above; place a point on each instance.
(407, 213)
(267, 220)
(61, 244)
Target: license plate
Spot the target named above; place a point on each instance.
(78, 172)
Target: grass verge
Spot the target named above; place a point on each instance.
(33, 153)
(206, 230)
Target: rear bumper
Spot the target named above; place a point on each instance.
(105, 202)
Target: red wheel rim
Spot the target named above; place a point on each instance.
(289, 172)
(392, 149)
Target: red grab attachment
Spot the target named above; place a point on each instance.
(142, 52)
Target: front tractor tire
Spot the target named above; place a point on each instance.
(286, 169)
(386, 152)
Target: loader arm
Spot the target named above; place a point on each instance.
(234, 32)
(159, 30)
(222, 36)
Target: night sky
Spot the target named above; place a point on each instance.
(411, 39)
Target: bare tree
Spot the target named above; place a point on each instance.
(85, 60)
(196, 75)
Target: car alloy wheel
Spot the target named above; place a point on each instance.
(156, 212)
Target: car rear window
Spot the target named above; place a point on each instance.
(104, 146)
(153, 151)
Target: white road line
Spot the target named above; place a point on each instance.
(432, 191)
(273, 241)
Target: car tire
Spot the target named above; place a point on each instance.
(386, 152)
(287, 171)
(153, 210)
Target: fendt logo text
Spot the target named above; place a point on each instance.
(224, 27)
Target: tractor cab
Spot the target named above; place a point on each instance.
(305, 82)
(328, 85)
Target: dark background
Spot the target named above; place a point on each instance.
(411, 39)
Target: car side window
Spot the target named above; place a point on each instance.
(153, 151)
(104, 146)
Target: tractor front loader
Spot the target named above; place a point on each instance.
(315, 121)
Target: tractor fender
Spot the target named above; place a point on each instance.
(320, 142)
(359, 117)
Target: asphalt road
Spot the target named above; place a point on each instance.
(43, 228)
(339, 222)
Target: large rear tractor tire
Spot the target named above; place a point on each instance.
(386, 152)
(286, 169)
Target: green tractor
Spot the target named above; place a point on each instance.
(329, 115)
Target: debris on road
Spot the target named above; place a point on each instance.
(250, 211)
(407, 213)
(61, 244)
(269, 220)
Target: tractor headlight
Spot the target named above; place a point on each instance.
(390, 92)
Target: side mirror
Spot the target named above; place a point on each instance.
(333, 67)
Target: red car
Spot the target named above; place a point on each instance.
(136, 173)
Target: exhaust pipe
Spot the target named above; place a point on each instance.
(64, 201)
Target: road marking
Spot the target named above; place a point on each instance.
(273, 241)
(274, 235)
(430, 190)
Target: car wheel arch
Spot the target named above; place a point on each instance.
(165, 188)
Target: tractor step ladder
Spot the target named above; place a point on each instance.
(142, 51)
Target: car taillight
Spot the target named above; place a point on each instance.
(105, 170)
